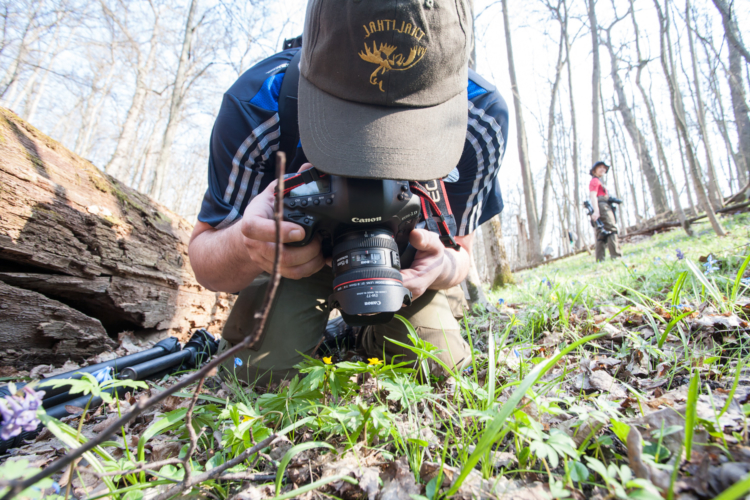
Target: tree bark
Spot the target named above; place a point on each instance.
(679, 114)
(656, 190)
(714, 193)
(551, 137)
(574, 130)
(498, 267)
(175, 106)
(595, 77)
(81, 238)
(119, 160)
(35, 329)
(535, 247)
(737, 92)
(731, 29)
(655, 128)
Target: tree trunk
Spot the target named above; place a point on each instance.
(574, 130)
(119, 160)
(739, 103)
(595, 77)
(551, 139)
(655, 129)
(157, 188)
(81, 238)
(714, 193)
(498, 267)
(679, 115)
(731, 30)
(535, 246)
(656, 190)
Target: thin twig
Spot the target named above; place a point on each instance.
(215, 472)
(141, 467)
(191, 432)
(243, 476)
(15, 487)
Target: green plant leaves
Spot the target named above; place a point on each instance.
(293, 451)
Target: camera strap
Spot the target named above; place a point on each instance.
(300, 178)
(436, 211)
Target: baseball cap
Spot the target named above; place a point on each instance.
(596, 165)
(382, 89)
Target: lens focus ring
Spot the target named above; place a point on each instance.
(370, 242)
(386, 274)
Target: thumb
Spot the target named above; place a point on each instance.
(421, 239)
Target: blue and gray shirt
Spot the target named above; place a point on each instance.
(247, 133)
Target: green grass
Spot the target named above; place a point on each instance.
(631, 322)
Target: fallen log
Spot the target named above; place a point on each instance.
(78, 236)
(741, 207)
(35, 329)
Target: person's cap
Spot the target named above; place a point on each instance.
(591, 172)
(382, 88)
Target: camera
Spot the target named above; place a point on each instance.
(598, 224)
(364, 226)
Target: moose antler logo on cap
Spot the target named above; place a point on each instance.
(383, 54)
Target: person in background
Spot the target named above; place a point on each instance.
(603, 211)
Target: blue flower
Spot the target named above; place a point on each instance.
(500, 302)
(710, 265)
(680, 255)
(19, 413)
(547, 282)
(103, 375)
(237, 362)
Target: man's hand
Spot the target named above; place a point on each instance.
(436, 267)
(595, 216)
(428, 262)
(258, 231)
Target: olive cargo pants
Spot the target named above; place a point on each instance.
(607, 216)
(298, 317)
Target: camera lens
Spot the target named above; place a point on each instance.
(367, 284)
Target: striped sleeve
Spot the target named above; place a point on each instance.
(245, 137)
(473, 188)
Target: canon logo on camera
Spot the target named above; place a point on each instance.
(375, 219)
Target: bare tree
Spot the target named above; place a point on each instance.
(556, 12)
(736, 84)
(535, 247)
(655, 127)
(679, 115)
(595, 77)
(730, 28)
(714, 194)
(574, 130)
(656, 190)
(175, 108)
(143, 65)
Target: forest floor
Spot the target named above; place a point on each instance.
(626, 379)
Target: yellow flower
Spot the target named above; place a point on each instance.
(327, 360)
(374, 361)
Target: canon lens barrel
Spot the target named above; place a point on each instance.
(367, 281)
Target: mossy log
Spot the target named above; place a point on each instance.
(78, 236)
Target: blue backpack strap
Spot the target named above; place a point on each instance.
(288, 109)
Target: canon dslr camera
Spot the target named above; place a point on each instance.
(364, 225)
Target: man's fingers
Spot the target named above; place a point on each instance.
(295, 272)
(261, 229)
(425, 240)
(292, 256)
